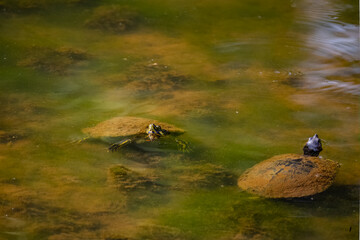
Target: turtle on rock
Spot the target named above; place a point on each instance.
(291, 175)
(123, 131)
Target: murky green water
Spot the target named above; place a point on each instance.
(247, 80)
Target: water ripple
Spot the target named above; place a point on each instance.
(333, 64)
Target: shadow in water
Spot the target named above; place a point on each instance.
(336, 201)
(261, 218)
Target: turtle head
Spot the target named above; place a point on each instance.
(313, 146)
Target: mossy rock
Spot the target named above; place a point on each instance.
(128, 180)
(114, 19)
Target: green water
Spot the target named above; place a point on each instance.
(247, 80)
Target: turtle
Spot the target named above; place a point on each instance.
(133, 130)
(291, 175)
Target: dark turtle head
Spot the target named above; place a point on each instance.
(313, 146)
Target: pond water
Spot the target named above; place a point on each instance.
(247, 80)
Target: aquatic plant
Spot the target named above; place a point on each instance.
(128, 180)
(203, 176)
(9, 137)
(115, 19)
(55, 61)
(155, 78)
(265, 219)
(24, 5)
(155, 232)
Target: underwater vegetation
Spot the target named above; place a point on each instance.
(236, 76)
(24, 5)
(9, 137)
(263, 219)
(53, 61)
(154, 78)
(206, 175)
(114, 19)
(128, 180)
(155, 232)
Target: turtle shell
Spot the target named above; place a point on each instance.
(289, 176)
(127, 126)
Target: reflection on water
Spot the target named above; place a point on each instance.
(246, 80)
(333, 64)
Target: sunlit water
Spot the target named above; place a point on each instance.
(246, 80)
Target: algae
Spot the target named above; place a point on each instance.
(255, 217)
(155, 78)
(128, 180)
(9, 137)
(54, 61)
(156, 232)
(205, 175)
(115, 19)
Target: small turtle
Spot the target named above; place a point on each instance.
(133, 130)
(291, 175)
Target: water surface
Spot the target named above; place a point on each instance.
(247, 80)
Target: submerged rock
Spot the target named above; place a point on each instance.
(115, 19)
(128, 180)
(55, 61)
